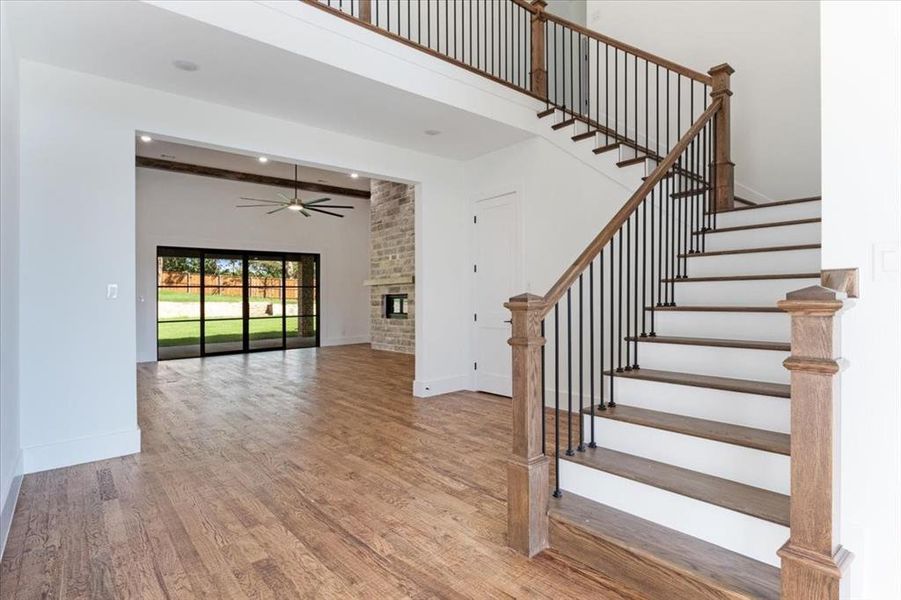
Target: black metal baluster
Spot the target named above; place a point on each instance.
(557, 493)
(633, 304)
(626, 103)
(644, 259)
(569, 372)
(616, 94)
(591, 444)
(607, 95)
(654, 302)
(628, 288)
(619, 310)
(612, 402)
(601, 405)
(581, 446)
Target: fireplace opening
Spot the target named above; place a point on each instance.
(395, 306)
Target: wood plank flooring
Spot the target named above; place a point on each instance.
(308, 473)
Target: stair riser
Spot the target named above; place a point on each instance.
(747, 465)
(769, 327)
(758, 292)
(738, 363)
(750, 410)
(785, 235)
(755, 263)
(786, 212)
(740, 533)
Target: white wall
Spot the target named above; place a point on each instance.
(10, 447)
(78, 235)
(861, 218)
(175, 209)
(564, 203)
(773, 47)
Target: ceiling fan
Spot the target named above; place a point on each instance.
(295, 204)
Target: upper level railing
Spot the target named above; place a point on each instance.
(627, 95)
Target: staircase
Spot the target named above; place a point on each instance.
(673, 415)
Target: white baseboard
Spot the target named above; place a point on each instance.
(426, 388)
(81, 450)
(9, 506)
(344, 341)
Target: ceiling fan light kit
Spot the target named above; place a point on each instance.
(295, 204)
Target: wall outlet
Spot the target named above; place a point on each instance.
(112, 291)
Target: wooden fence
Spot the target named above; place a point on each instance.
(231, 285)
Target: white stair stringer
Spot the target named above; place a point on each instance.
(735, 531)
(750, 410)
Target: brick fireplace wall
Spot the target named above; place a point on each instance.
(392, 252)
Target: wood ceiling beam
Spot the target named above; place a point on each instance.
(179, 167)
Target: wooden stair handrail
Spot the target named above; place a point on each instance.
(606, 234)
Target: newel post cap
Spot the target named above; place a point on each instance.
(539, 5)
(723, 69)
(525, 302)
(814, 300)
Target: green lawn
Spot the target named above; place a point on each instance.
(176, 296)
(183, 333)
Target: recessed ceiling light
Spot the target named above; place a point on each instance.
(185, 65)
(146, 138)
(263, 159)
(354, 175)
(432, 132)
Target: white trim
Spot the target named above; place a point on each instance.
(81, 450)
(9, 506)
(445, 385)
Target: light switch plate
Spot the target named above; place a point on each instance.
(112, 291)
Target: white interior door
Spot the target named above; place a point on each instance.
(497, 277)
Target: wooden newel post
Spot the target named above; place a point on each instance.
(366, 11)
(527, 468)
(812, 558)
(538, 68)
(724, 193)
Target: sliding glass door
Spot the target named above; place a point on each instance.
(224, 301)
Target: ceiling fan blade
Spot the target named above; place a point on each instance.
(318, 201)
(276, 210)
(304, 212)
(261, 200)
(332, 206)
(283, 197)
(325, 212)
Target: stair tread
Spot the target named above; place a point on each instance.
(743, 386)
(744, 201)
(769, 204)
(745, 277)
(584, 136)
(607, 148)
(759, 226)
(726, 308)
(752, 250)
(562, 124)
(680, 552)
(756, 502)
(546, 112)
(631, 161)
(738, 435)
(716, 342)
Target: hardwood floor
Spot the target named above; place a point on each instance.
(309, 473)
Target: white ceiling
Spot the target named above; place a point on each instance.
(242, 163)
(136, 42)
